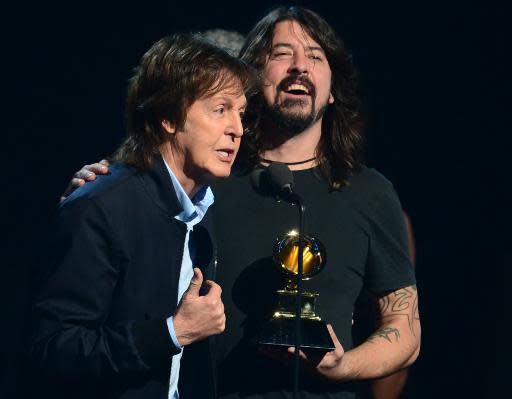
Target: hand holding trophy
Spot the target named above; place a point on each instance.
(281, 329)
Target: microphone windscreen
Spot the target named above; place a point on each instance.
(256, 176)
(261, 183)
(280, 175)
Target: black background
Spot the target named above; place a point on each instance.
(436, 83)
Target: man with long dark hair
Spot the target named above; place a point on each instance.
(119, 291)
(307, 116)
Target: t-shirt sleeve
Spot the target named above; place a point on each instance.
(388, 264)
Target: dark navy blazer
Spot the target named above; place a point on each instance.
(109, 280)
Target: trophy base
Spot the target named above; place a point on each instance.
(281, 332)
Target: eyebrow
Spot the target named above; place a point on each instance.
(228, 100)
(288, 45)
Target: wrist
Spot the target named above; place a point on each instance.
(183, 334)
(172, 333)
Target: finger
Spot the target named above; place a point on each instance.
(85, 174)
(98, 168)
(195, 283)
(105, 162)
(212, 288)
(302, 355)
(331, 359)
(73, 185)
(328, 361)
(223, 311)
(76, 182)
(335, 340)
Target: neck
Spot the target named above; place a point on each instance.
(295, 149)
(176, 163)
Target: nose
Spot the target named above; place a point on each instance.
(235, 127)
(299, 64)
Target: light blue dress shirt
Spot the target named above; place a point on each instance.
(193, 212)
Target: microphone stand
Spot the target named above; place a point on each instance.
(296, 200)
(282, 177)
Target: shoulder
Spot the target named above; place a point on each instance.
(371, 191)
(101, 204)
(112, 194)
(120, 178)
(369, 181)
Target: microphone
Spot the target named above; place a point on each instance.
(281, 177)
(258, 181)
(276, 180)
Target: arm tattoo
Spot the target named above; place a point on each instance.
(402, 302)
(385, 333)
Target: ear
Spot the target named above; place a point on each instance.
(331, 98)
(168, 126)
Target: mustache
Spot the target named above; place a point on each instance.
(297, 79)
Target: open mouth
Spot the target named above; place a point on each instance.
(226, 154)
(297, 89)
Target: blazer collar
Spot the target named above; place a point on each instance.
(159, 187)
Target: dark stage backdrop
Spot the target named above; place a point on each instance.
(435, 78)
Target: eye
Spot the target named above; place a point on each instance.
(220, 110)
(281, 54)
(315, 57)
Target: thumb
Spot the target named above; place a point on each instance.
(195, 283)
(335, 340)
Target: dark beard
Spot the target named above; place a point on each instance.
(291, 124)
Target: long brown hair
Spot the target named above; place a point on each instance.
(176, 71)
(340, 149)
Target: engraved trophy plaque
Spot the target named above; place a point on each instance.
(280, 330)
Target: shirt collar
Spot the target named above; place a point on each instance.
(192, 208)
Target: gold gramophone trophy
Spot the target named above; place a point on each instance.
(281, 329)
